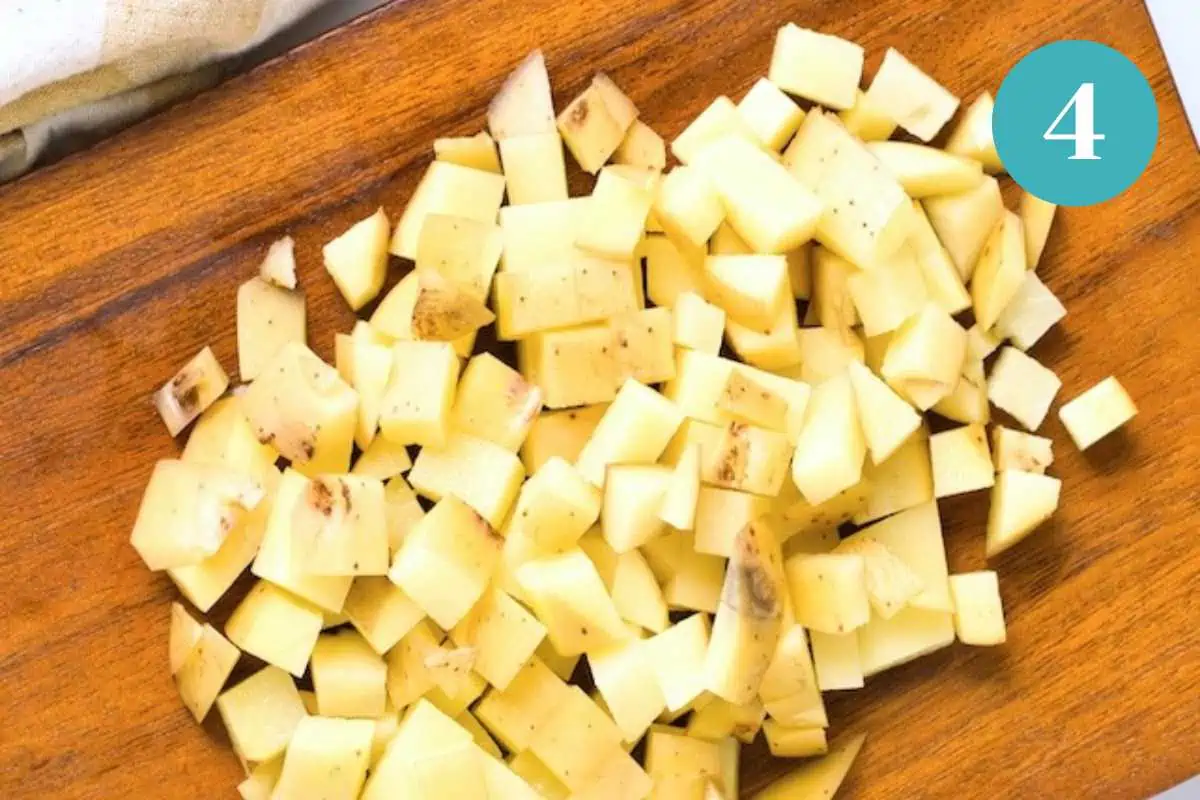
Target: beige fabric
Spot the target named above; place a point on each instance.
(70, 65)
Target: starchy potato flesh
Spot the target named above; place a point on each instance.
(961, 461)
(866, 120)
(818, 778)
(919, 104)
(1097, 412)
(1021, 501)
(972, 136)
(476, 152)
(1037, 216)
(924, 171)
(816, 66)
(771, 114)
(451, 189)
(357, 260)
(1022, 387)
(591, 129)
(190, 391)
(978, 615)
(267, 317)
(261, 714)
(535, 170)
(641, 147)
(718, 120)
(835, 659)
(698, 324)
(965, 220)
(275, 626)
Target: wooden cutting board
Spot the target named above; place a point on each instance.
(117, 265)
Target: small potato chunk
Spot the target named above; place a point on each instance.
(887, 420)
(635, 429)
(576, 739)
(633, 497)
(749, 459)
(420, 395)
(464, 251)
(748, 400)
(719, 719)
(302, 407)
(689, 209)
(925, 356)
(447, 560)
(749, 619)
(912, 633)
(1097, 412)
(641, 147)
(829, 591)
(503, 635)
(866, 120)
(830, 451)
(483, 475)
(699, 325)
(999, 272)
(903, 481)
(514, 713)
(644, 351)
(592, 131)
(961, 461)
(720, 119)
(626, 681)
(816, 66)
(1022, 387)
(383, 460)
(268, 317)
(381, 612)
(184, 636)
(1021, 501)
(972, 136)
(835, 658)
(559, 433)
(556, 506)
(964, 222)
(327, 758)
(819, 778)
(261, 714)
(680, 765)
(448, 189)
(523, 105)
(636, 593)
(1031, 312)
(920, 105)
(1020, 451)
(942, 279)
(890, 583)
(789, 690)
(261, 781)
(925, 171)
(1036, 216)
(832, 302)
(278, 268)
(616, 216)
(348, 676)
(765, 204)
(573, 367)
(566, 593)
(445, 311)
(890, 293)
(535, 170)
(776, 348)
(771, 114)
(275, 626)
(914, 536)
(339, 527)
(682, 496)
(204, 670)
(978, 614)
(357, 260)
(476, 152)
(188, 510)
(410, 674)
(751, 289)
(677, 655)
(477, 412)
(787, 742)
(561, 296)
(193, 389)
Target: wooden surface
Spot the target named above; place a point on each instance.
(117, 265)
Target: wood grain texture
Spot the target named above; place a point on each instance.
(119, 264)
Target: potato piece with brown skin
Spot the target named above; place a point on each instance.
(339, 527)
(279, 266)
(193, 389)
(749, 618)
(445, 311)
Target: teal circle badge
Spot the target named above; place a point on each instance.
(1075, 123)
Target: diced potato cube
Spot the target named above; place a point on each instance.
(867, 215)
(349, 677)
(749, 459)
(572, 367)
(561, 297)
(189, 510)
(535, 170)
(917, 102)
(450, 189)
(644, 351)
(483, 475)
(925, 171)
(559, 433)
(267, 318)
(765, 204)
(720, 119)
(275, 626)
(476, 152)
(420, 396)
(635, 429)
(403, 511)
(789, 688)
(636, 593)
(887, 420)
(1000, 271)
(410, 674)
(487, 744)
(357, 260)
(818, 778)
(464, 251)
(696, 582)
(515, 713)
(972, 136)
(278, 267)
(677, 655)
(447, 560)
(190, 391)
(537, 234)
(721, 514)
(800, 271)
(1021, 451)
(566, 593)
(978, 614)
(626, 681)
(1097, 412)
(750, 288)
(829, 591)
(1022, 387)
(591, 130)
(964, 222)
(787, 742)
(302, 407)
(394, 316)
(185, 634)
(961, 461)
(867, 120)
(444, 311)
(889, 294)
(826, 353)
(382, 460)
(699, 325)
(456, 685)
(748, 400)
(914, 536)
(804, 518)
(476, 411)
(503, 635)
(727, 242)
(830, 451)
(575, 739)
(668, 273)
(201, 661)
(381, 612)
(339, 528)
(682, 496)
(556, 506)
(903, 481)
(261, 714)
(770, 113)
(1021, 501)
(616, 216)
(457, 772)
(1036, 217)
(835, 658)
(424, 731)
(641, 147)
(831, 293)
(925, 356)
(719, 719)
(816, 66)
(523, 104)
(942, 279)
(222, 436)
(1031, 312)
(633, 496)
(261, 781)
(890, 583)
(680, 765)
(326, 758)
(538, 775)
(912, 633)
(776, 348)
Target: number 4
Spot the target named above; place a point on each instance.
(1084, 135)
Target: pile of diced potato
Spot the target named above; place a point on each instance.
(719, 535)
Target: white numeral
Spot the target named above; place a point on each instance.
(1084, 136)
